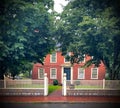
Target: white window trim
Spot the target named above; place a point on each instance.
(51, 73)
(39, 73)
(51, 58)
(84, 59)
(92, 72)
(65, 61)
(69, 53)
(84, 73)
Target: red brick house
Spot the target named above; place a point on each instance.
(55, 65)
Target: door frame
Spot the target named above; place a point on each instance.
(71, 72)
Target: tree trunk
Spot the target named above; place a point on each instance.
(111, 71)
(112, 74)
(3, 70)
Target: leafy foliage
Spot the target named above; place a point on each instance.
(55, 82)
(26, 33)
(92, 27)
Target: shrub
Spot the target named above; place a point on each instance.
(55, 82)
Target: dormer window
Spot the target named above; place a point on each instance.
(53, 57)
(67, 58)
(83, 61)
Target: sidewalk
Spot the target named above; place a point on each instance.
(57, 97)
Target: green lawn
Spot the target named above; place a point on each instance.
(52, 88)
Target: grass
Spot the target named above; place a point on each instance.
(52, 88)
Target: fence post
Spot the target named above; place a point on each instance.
(72, 75)
(45, 85)
(64, 85)
(4, 81)
(103, 83)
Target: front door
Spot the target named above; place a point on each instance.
(68, 73)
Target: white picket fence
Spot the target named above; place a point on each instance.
(98, 85)
(39, 84)
(94, 84)
(8, 84)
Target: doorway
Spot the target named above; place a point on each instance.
(67, 70)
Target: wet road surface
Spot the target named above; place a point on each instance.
(59, 105)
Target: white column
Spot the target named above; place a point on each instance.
(64, 85)
(71, 75)
(103, 83)
(62, 74)
(45, 85)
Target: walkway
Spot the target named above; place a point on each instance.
(57, 93)
(57, 97)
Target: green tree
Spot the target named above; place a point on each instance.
(26, 33)
(92, 27)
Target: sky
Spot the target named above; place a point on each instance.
(58, 3)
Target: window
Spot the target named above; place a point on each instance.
(40, 73)
(53, 73)
(83, 61)
(81, 73)
(94, 73)
(53, 58)
(67, 59)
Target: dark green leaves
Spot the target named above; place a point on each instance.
(92, 27)
(25, 33)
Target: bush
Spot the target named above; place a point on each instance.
(55, 82)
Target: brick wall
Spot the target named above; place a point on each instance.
(60, 62)
(93, 92)
(21, 92)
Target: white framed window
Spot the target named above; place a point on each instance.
(81, 73)
(83, 59)
(53, 57)
(40, 73)
(53, 73)
(94, 73)
(66, 59)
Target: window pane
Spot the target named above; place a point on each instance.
(81, 73)
(53, 57)
(67, 58)
(81, 58)
(53, 73)
(94, 73)
(41, 73)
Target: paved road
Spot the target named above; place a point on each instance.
(60, 105)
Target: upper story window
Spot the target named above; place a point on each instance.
(53, 73)
(40, 73)
(94, 73)
(67, 59)
(81, 73)
(53, 57)
(83, 61)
